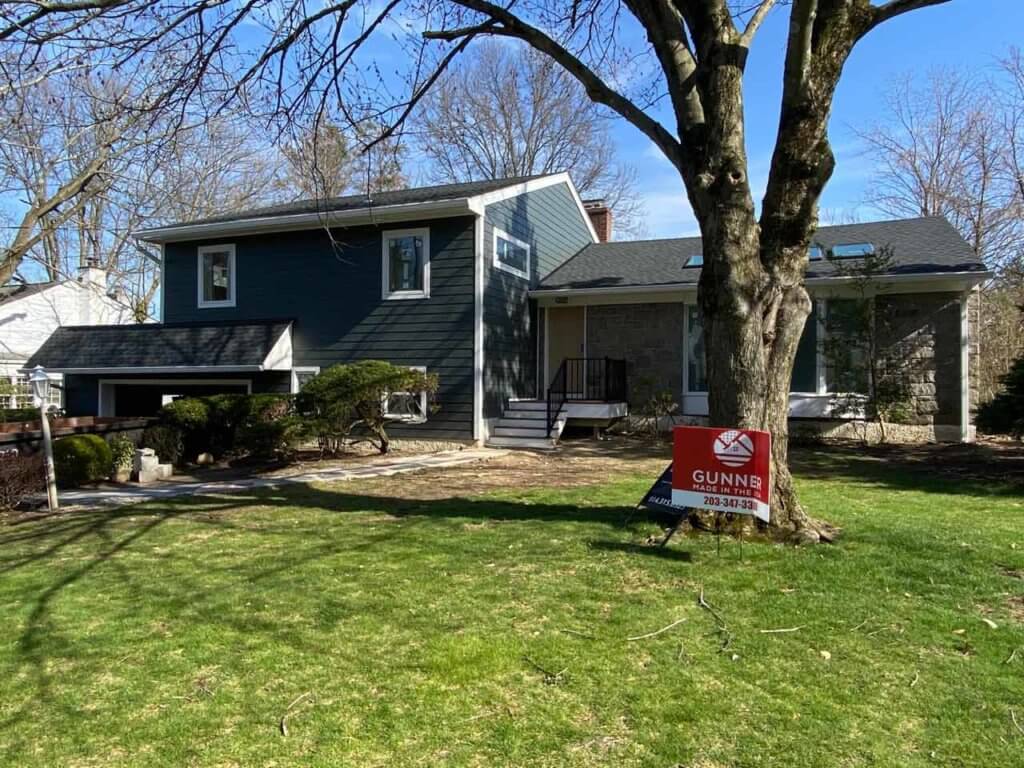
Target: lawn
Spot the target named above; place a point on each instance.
(343, 625)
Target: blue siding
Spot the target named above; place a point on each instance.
(332, 291)
(551, 222)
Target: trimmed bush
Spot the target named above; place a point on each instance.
(81, 459)
(122, 451)
(212, 423)
(268, 439)
(1004, 414)
(20, 477)
(349, 399)
(165, 441)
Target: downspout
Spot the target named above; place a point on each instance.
(479, 427)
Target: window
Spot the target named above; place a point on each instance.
(302, 376)
(511, 255)
(805, 366)
(216, 276)
(695, 261)
(16, 392)
(846, 354)
(410, 407)
(696, 364)
(816, 252)
(852, 250)
(407, 264)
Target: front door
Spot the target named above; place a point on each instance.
(566, 336)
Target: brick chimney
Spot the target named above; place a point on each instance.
(601, 217)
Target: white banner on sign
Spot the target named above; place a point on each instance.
(717, 502)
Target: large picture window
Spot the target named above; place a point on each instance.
(216, 276)
(846, 353)
(511, 255)
(407, 264)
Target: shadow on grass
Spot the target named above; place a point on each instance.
(646, 550)
(74, 546)
(978, 469)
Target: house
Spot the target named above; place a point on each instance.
(510, 290)
(30, 312)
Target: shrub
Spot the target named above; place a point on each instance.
(211, 423)
(267, 439)
(20, 477)
(348, 399)
(1004, 413)
(191, 417)
(80, 459)
(122, 451)
(165, 441)
(14, 415)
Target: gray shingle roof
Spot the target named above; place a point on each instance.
(431, 194)
(242, 345)
(919, 246)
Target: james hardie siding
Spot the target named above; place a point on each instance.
(332, 291)
(551, 222)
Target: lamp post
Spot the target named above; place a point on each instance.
(40, 395)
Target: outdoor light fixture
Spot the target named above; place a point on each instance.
(40, 397)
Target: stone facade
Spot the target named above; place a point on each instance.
(649, 337)
(920, 331)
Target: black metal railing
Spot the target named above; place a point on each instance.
(585, 378)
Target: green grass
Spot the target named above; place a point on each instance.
(179, 634)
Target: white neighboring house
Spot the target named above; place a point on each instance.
(30, 312)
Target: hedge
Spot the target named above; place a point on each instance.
(80, 459)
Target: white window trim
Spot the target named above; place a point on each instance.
(498, 264)
(314, 369)
(232, 276)
(405, 419)
(389, 295)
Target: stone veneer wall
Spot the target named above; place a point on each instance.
(649, 337)
(923, 329)
(922, 332)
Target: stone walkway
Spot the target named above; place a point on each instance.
(136, 494)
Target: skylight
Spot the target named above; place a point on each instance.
(850, 250)
(695, 261)
(816, 253)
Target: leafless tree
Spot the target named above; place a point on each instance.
(953, 147)
(630, 56)
(506, 111)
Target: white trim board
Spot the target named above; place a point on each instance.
(502, 266)
(230, 301)
(386, 293)
(481, 429)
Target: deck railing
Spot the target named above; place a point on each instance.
(600, 379)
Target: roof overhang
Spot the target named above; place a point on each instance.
(369, 215)
(933, 281)
(473, 205)
(276, 356)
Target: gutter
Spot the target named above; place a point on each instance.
(315, 220)
(971, 278)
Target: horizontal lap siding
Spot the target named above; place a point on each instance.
(333, 294)
(551, 222)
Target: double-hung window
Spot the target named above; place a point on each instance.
(406, 264)
(216, 267)
(410, 407)
(511, 254)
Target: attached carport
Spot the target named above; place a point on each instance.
(132, 370)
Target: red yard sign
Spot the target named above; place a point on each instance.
(722, 470)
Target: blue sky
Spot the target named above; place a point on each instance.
(963, 33)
